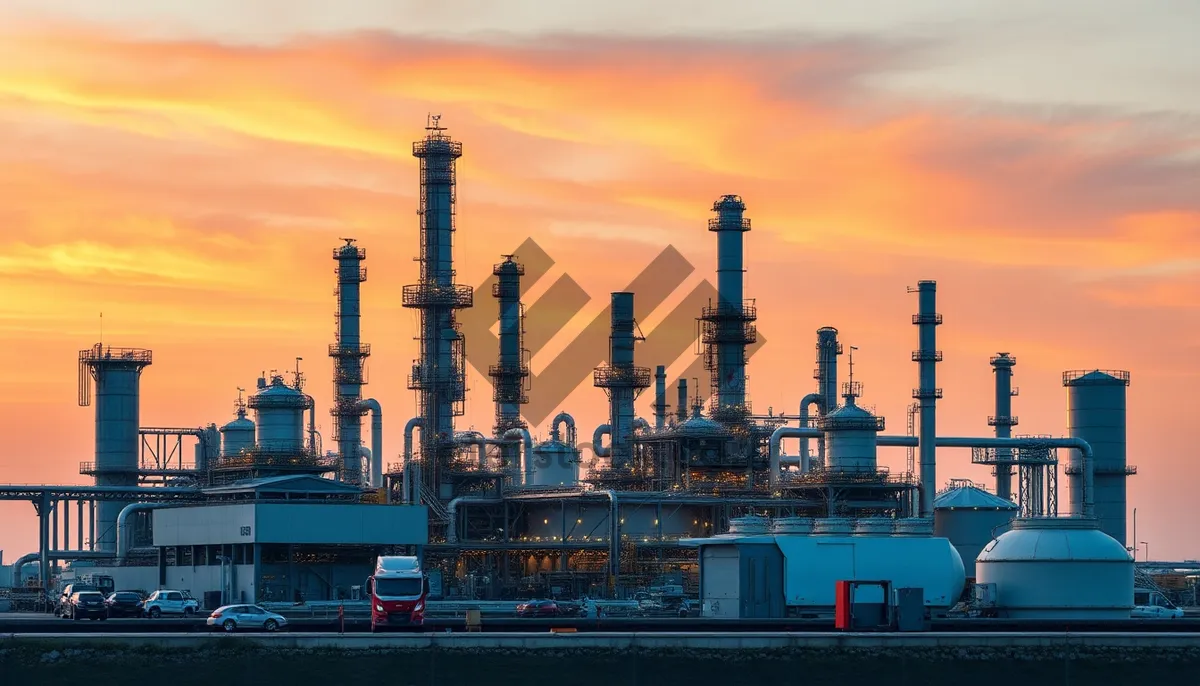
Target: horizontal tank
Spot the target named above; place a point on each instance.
(814, 564)
(1060, 568)
(555, 464)
(971, 518)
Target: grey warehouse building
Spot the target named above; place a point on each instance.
(275, 539)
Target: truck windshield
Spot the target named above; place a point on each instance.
(392, 588)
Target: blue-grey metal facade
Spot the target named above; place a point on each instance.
(349, 354)
(1004, 421)
(1096, 407)
(621, 379)
(117, 374)
(439, 373)
(727, 328)
(927, 356)
(510, 374)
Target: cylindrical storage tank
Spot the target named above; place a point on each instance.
(1060, 568)
(971, 518)
(850, 439)
(1096, 414)
(792, 525)
(833, 526)
(279, 416)
(913, 526)
(237, 435)
(555, 464)
(873, 526)
(749, 526)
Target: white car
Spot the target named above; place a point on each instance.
(230, 618)
(170, 603)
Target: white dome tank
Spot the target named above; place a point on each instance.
(873, 526)
(913, 526)
(279, 416)
(793, 525)
(851, 438)
(749, 526)
(1061, 568)
(237, 435)
(555, 463)
(833, 526)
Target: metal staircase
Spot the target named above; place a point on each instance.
(436, 508)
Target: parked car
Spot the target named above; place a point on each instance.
(124, 604)
(170, 603)
(87, 605)
(538, 608)
(63, 601)
(231, 618)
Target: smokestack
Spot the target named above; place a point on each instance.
(621, 379)
(660, 397)
(349, 355)
(510, 374)
(927, 356)
(728, 328)
(1004, 421)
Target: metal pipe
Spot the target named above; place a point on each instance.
(881, 441)
(660, 397)
(409, 484)
(598, 440)
(1002, 365)
(526, 461)
(561, 418)
(124, 538)
(372, 406)
(21, 562)
(808, 400)
(614, 538)
(776, 437)
(476, 439)
(927, 356)
(1084, 448)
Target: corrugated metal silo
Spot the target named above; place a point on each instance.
(971, 518)
(1096, 413)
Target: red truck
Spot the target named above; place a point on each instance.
(397, 590)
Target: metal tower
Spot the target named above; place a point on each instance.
(1096, 413)
(728, 328)
(623, 381)
(349, 357)
(117, 373)
(927, 356)
(1003, 420)
(510, 374)
(439, 374)
(826, 372)
(660, 397)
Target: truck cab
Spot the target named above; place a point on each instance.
(1149, 604)
(397, 591)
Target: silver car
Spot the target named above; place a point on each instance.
(231, 618)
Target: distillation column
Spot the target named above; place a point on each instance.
(728, 328)
(660, 397)
(510, 374)
(117, 373)
(349, 358)
(623, 381)
(439, 374)
(826, 372)
(1004, 421)
(681, 405)
(1096, 406)
(927, 356)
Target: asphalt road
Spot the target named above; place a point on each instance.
(42, 623)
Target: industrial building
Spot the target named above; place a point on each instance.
(702, 496)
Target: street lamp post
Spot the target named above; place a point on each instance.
(1145, 543)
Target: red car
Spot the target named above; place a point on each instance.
(538, 608)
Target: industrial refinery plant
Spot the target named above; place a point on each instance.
(700, 495)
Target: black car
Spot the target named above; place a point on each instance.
(87, 605)
(124, 604)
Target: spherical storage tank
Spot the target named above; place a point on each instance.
(555, 464)
(970, 517)
(850, 438)
(279, 415)
(1061, 568)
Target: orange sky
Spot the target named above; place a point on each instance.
(192, 191)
